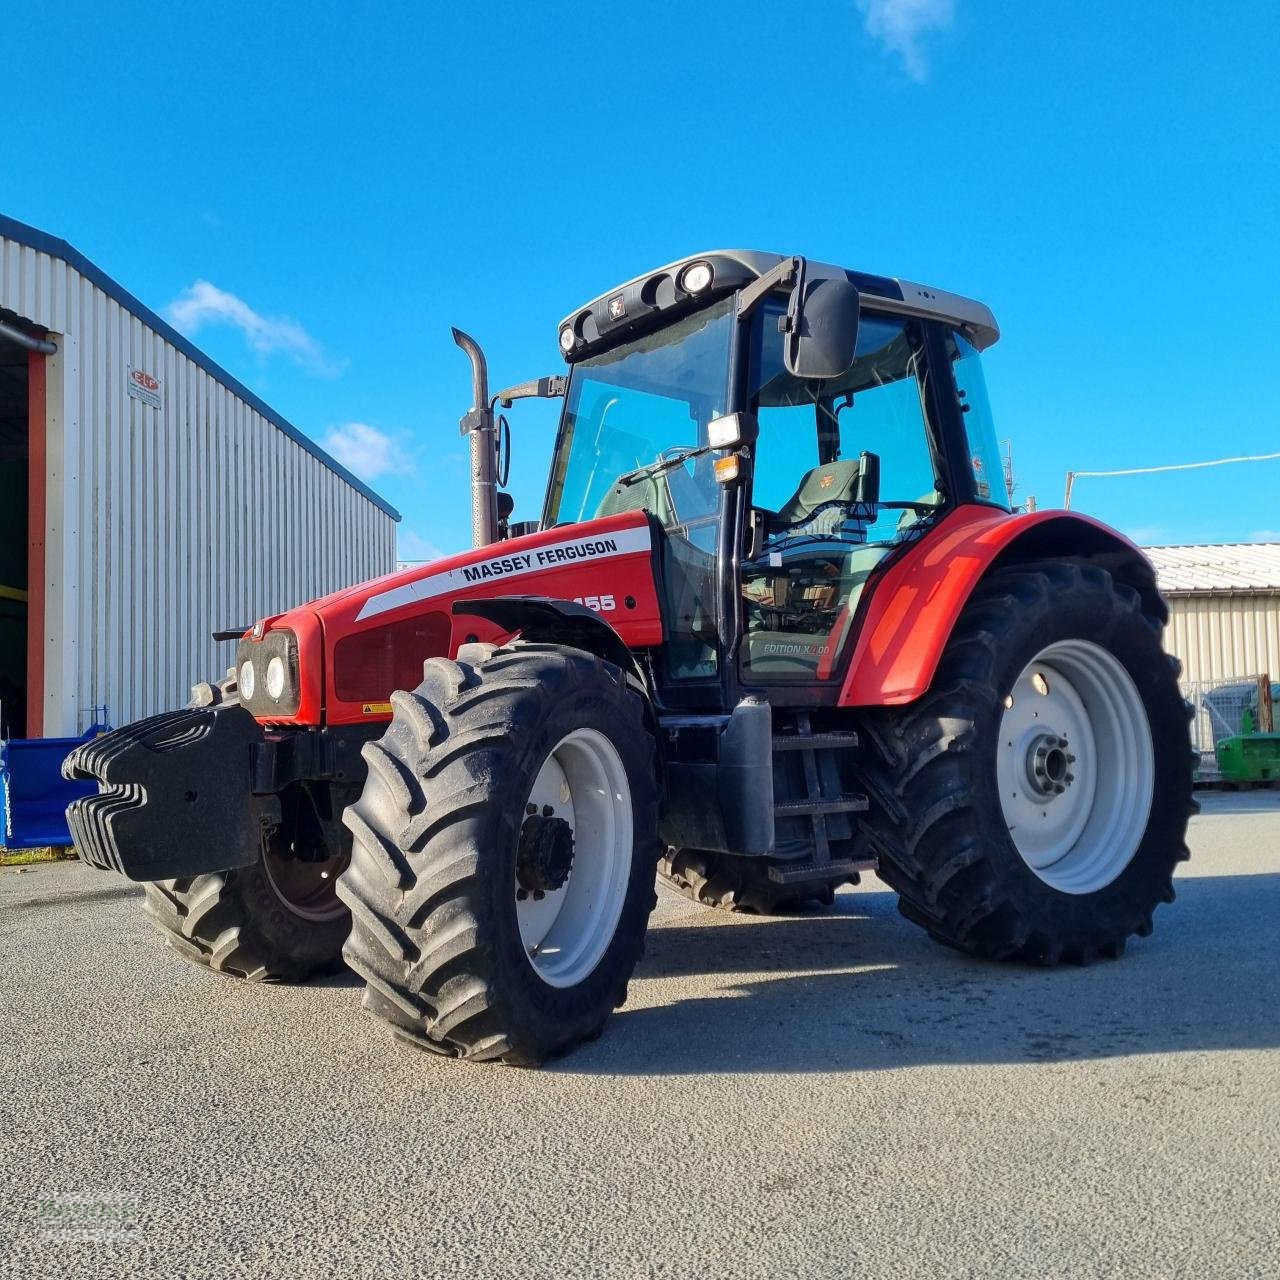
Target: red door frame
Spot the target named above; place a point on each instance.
(37, 449)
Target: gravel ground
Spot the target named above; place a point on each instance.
(832, 1095)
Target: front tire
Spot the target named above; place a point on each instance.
(505, 847)
(1034, 803)
(272, 920)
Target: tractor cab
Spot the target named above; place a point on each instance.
(790, 426)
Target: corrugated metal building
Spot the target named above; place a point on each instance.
(1224, 604)
(147, 499)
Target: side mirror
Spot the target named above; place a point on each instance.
(501, 450)
(820, 337)
(506, 505)
(868, 489)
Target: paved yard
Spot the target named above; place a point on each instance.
(833, 1095)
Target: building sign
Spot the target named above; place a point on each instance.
(142, 386)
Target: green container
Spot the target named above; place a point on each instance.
(1249, 757)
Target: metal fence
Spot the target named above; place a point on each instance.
(1219, 713)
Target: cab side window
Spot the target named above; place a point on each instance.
(979, 423)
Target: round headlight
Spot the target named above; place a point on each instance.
(567, 339)
(247, 681)
(275, 677)
(696, 277)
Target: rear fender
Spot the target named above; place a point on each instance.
(915, 604)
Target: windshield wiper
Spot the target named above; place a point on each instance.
(664, 464)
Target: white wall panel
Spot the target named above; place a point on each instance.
(166, 524)
(1225, 637)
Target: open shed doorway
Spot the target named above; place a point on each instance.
(15, 462)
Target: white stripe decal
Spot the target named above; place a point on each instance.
(512, 564)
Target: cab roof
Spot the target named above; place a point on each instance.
(638, 303)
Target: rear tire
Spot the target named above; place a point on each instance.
(469, 794)
(731, 882)
(1074, 871)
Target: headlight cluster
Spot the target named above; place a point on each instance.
(267, 673)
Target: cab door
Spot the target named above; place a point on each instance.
(846, 472)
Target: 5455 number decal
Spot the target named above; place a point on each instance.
(601, 604)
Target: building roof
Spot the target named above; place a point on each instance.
(1235, 567)
(43, 242)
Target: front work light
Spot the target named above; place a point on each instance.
(696, 277)
(248, 682)
(724, 433)
(567, 339)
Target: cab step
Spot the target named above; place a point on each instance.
(797, 872)
(807, 808)
(835, 740)
(822, 803)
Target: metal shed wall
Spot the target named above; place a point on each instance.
(166, 524)
(1225, 637)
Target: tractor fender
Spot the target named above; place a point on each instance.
(916, 601)
(543, 620)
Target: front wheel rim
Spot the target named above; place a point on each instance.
(1075, 766)
(565, 931)
(307, 889)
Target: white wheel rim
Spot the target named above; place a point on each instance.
(567, 931)
(1075, 766)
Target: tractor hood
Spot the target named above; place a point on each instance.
(354, 647)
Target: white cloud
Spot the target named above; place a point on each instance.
(412, 548)
(368, 452)
(1265, 535)
(900, 25)
(205, 304)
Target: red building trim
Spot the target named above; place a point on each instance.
(36, 472)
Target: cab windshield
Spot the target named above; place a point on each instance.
(634, 431)
(634, 438)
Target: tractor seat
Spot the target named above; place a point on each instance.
(821, 503)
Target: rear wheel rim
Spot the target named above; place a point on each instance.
(566, 931)
(1075, 766)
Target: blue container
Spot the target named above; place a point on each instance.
(33, 793)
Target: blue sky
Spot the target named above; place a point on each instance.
(316, 192)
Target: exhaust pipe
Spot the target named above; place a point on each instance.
(478, 424)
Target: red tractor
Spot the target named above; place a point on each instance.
(776, 626)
